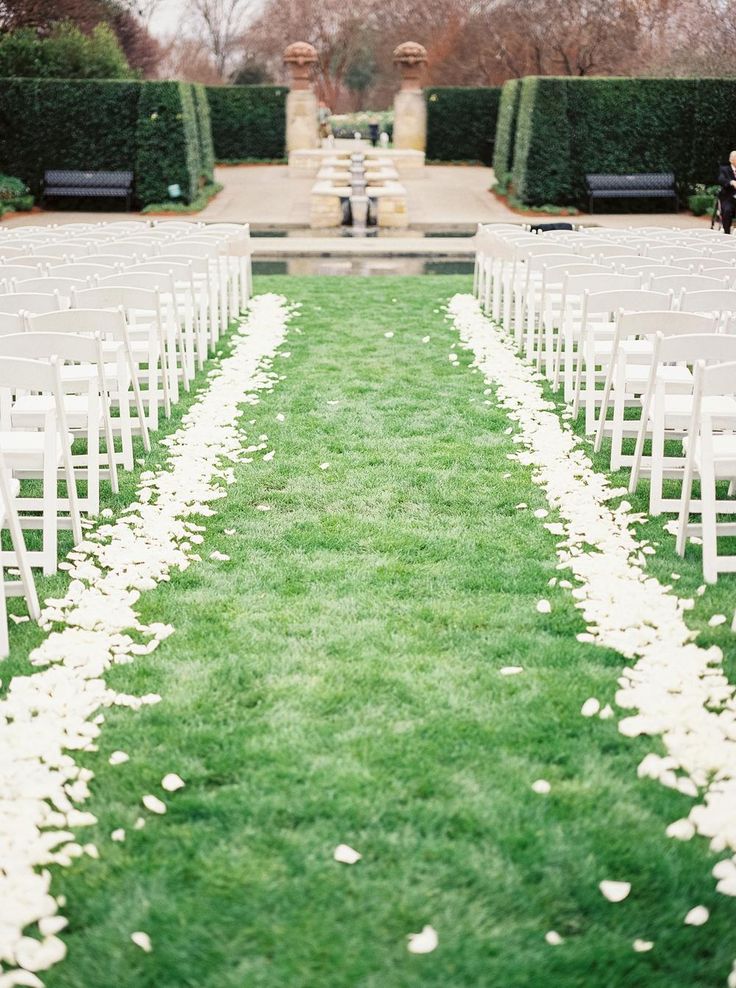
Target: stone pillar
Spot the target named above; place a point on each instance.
(410, 109)
(302, 128)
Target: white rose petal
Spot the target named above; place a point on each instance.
(172, 782)
(346, 854)
(142, 940)
(154, 804)
(544, 606)
(424, 942)
(553, 938)
(697, 916)
(681, 830)
(591, 707)
(642, 946)
(615, 891)
(541, 786)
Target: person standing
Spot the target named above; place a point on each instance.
(727, 194)
(373, 130)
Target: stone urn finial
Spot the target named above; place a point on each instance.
(300, 57)
(411, 57)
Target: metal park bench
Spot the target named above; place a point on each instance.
(81, 185)
(651, 185)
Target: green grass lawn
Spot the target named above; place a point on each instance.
(337, 681)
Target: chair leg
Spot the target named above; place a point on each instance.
(50, 514)
(619, 401)
(709, 526)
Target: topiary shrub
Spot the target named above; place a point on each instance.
(503, 150)
(204, 132)
(248, 122)
(461, 123)
(167, 142)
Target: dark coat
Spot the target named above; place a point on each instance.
(725, 177)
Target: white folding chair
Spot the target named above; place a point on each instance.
(120, 369)
(142, 308)
(667, 415)
(84, 397)
(629, 369)
(40, 454)
(34, 302)
(710, 456)
(597, 330)
(63, 286)
(18, 557)
(570, 330)
(173, 357)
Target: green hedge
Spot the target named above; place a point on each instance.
(66, 123)
(204, 132)
(168, 142)
(569, 127)
(461, 123)
(248, 122)
(159, 130)
(503, 151)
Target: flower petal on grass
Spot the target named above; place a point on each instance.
(642, 946)
(697, 916)
(614, 891)
(544, 607)
(510, 670)
(541, 787)
(118, 758)
(346, 854)
(154, 804)
(591, 707)
(424, 942)
(553, 938)
(172, 782)
(142, 940)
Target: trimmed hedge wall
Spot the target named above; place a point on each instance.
(503, 151)
(461, 123)
(248, 122)
(66, 123)
(159, 130)
(204, 132)
(568, 127)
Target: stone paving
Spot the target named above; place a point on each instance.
(448, 197)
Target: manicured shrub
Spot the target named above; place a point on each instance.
(167, 142)
(461, 123)
(503, 150)
(541, 172)
(204, 132)
(568, 127)
(248, 122)
(66, 123)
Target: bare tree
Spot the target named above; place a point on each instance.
(221, 25)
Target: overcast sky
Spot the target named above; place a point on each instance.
(167, 17)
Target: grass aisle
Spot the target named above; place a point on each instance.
(338, 681)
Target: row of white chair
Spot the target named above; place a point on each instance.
(624, 338)
(91, 351)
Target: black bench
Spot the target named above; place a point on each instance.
(81, 185)
(652, 185)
